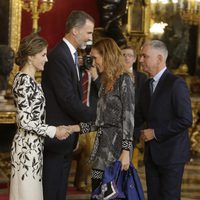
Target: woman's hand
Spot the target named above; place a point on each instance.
(72, 128)
(62, 132)
(125, 160)
(93, 72)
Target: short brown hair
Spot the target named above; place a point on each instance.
(77, 18)
(132, 48)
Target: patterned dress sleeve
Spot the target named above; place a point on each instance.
(127, 93)
(30, 104)
(87, 127)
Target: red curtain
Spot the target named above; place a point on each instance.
(52, 23)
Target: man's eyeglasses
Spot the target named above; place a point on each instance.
(128, 55)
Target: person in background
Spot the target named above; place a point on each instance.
(130, 56)
(115, 111)
(162, 121)
(61, 82)
(28, 142)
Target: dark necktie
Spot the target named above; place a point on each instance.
(85, 87)
(76, 58)
(151, 80)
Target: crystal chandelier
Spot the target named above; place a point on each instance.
(189, 10)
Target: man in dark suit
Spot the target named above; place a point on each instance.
(61, 82)
(165, 113)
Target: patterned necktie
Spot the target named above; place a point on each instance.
(151, 80)
(85, 83)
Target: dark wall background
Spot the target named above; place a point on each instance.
(7, 132)
(52, 23)
(4, 21)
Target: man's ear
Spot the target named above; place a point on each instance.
(75, 31)
(160, 58)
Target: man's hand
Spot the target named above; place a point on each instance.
(62, 132)
(147, 134)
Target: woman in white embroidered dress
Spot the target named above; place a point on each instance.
(27, 147)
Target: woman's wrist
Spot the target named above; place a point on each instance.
(75, 128)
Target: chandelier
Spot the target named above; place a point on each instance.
(189, 10)
(35, 7)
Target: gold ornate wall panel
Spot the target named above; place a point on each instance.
(14, 23)
(14, 34)
(195, 129)
(138, 17)
(138, 22)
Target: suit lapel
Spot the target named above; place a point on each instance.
(160, 84)
(146, 98)
(73, 67)
(158, 90)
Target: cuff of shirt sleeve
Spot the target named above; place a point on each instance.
(51, 131)
(127, 145)
(84, 127)
(154, 135)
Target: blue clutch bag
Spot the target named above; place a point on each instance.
(117, 184)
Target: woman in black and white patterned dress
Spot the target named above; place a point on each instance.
(27, 147)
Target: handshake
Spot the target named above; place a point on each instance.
(63, 132)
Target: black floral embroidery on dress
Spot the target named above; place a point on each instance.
(27, 147)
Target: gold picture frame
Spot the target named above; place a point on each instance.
(138, 22)
(14, 34)
(138, 17)
(14, 23)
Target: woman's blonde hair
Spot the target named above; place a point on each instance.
(112, 61)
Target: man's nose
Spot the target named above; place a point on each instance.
(90, 38)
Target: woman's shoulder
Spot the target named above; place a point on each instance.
(126, 77)
(23, 80)
(22, 76)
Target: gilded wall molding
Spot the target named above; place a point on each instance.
(138, 22)
(14, 34)
(139, 16)
(14, 23)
